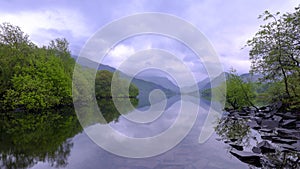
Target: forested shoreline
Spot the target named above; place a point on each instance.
(35, 78)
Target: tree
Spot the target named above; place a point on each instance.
(60, 48)
(32, 77)
(238, 93)
(275, 51)
(43, 84)
(12, 35)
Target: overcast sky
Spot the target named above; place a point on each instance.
(226, 24)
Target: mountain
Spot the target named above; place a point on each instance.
(162, 81)
(249, 77)
(145, 86)
(207, 83)
(91, 64)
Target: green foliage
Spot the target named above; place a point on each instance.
(34, 78)
(275, 53)
(238, 93)
(40, 85)
(107, 85)
(12, 35)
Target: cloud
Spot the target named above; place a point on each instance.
(226, 24)
(45, 25)
(118, 55)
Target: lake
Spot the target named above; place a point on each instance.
(56, 140)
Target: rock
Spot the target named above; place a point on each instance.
(265, 109)
(289, 124)
(287, 115)
(271, 124)
(237, 147)
(283, 140)
(288, 133)
(277, 105)
(253, 124)
(256, 150)
(298, 124)
(258, 120)
(277, 118)
(266, 130)
(266, 147)
(247, 157)
(268, 137)
(287, 147)
(233, 140)
(297, 145)
(267, 116)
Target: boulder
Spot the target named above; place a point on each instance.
(291, 124)
(271, 124)
(256, 150)
(266, 130)
(288, 133)
(277, 118)
(266, 147)
(247, 157)
(237, 147)
(253, 124)
(283, 140)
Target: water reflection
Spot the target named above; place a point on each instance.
(257, 148)
(110, 112)
(29, 138)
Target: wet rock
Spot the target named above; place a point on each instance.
(288, 133)
(267, 116)
(243, 113)
(256, 150)
(253, 124)
(237, 147)
(297, 145)
(268, 137)
(283, 140)
(277, 118)
(258, 120)
(247, 157)
(233, 140)
(271, 124)
(289, 124)
(266, 147)
(286, 147)
(287, 115)
(265, 109)
(298, 124)
(266, 130)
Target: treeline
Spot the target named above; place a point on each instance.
(34, 78)
(274, 54)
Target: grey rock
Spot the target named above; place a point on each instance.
(266, 147)
(247, 157)
(271, 124)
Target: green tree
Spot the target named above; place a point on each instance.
(275, 51)
(32, 77)
(104, 86)
(12, 35)
(43, 84)
(238, 93)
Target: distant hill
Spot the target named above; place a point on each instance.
(249, 77)
(162, 81)
(145, 85)
(207, 83)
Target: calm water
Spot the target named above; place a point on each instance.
(57, 141)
